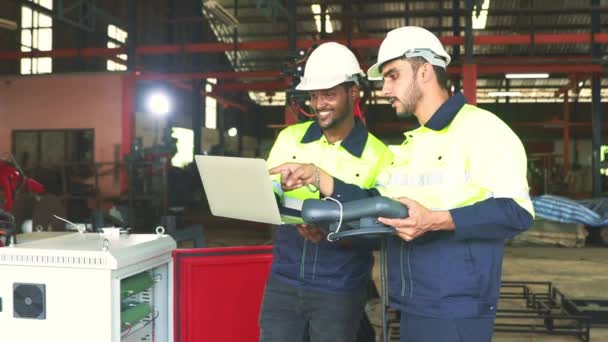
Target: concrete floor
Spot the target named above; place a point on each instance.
(576, 272)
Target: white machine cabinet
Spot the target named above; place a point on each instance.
(88, 287)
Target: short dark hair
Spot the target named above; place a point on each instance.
(441, 73)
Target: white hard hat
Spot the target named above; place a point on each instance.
(328, 65)
(408, 42)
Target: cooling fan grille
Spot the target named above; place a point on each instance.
(29, 301)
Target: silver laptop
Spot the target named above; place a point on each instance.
(241, 188)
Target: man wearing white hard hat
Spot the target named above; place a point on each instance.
(462, 175)
(317, 288)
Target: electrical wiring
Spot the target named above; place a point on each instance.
(151, 321)
(126, 333)
(330, 235)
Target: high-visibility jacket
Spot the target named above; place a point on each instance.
(468, 161)
(465, 160)
(357, 159)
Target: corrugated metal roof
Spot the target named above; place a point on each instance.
(375, 18)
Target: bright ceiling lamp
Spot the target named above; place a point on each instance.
(532, 75)
(504, 93)
(316, 10)
(479, 22)
(158, 103)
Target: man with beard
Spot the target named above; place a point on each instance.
(317, 288)
(462, 175)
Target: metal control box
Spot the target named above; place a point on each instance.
(88, 287)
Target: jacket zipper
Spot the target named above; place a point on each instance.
(401, 268)
(314, 266)
(409, 270)
(303, 259)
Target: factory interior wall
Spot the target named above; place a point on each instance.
(66, 101)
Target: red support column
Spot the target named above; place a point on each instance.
(469, 76)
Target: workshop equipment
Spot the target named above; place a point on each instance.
(100, 287)
(355, 218)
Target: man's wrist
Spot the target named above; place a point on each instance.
(317, 178)
(442, 220)
(326, 183)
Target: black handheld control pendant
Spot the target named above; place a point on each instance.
(355, 218)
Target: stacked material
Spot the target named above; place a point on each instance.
(545, 232)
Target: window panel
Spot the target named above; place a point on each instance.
(26, 66)
(36, 34)
(26, 39)
(35, 38)
(45, 21)
(210, 112)
(45, 39)
(120, 35)
(34, 65)
(45, 65)
(26, 17)
(111, 31)
(45, 3)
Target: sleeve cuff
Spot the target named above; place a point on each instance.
(345, 192)
(465, 221)
(490, 219)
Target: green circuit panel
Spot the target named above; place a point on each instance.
(133, 314)
(135, 284)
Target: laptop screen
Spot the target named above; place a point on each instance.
(241, 188)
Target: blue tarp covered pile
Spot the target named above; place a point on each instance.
(591, 212)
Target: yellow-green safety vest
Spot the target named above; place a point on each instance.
(332, 158)
(477, 156)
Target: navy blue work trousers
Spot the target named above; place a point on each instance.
(289, 314)
(425, 329)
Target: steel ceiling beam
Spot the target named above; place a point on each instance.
(312, 33)
(278, 45)
(280, 85)
(146, 76)
(434, 13)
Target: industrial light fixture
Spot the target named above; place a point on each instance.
(220, 13)
(533, 75)
(479, 22)
(8, 24)
(158, 103)
(232, 132)
(504, 93)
